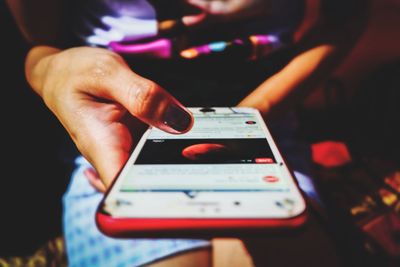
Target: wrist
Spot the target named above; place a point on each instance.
(36, 65)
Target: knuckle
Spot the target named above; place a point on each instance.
(143, 98)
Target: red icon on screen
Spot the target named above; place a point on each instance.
(264, 160)
(270, 179)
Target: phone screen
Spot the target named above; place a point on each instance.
(227, 165)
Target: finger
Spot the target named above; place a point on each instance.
(111, 155)
(147, 101)
(193, 20)
(107, 147)
(94, 179)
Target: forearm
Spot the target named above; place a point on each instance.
(319, 54)
(39, 21)
(294, 81)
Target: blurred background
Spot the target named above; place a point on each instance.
(35, 148)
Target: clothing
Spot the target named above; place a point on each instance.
(99, 22)
(86, 246)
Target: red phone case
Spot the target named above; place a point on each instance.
(157, 227)
(191, 227)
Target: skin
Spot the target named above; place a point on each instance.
(217, 11)
(92, 91)
(102, 103)
(197, 258)
(320, 51)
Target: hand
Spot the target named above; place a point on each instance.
(225, 10)
(98, 99)
(258, 100)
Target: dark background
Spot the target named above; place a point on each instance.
(33, 176)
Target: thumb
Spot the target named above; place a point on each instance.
(148, 102)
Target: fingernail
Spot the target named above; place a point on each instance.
(177, 118)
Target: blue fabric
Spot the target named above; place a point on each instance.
(86, 246)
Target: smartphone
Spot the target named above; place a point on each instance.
(224, 177)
